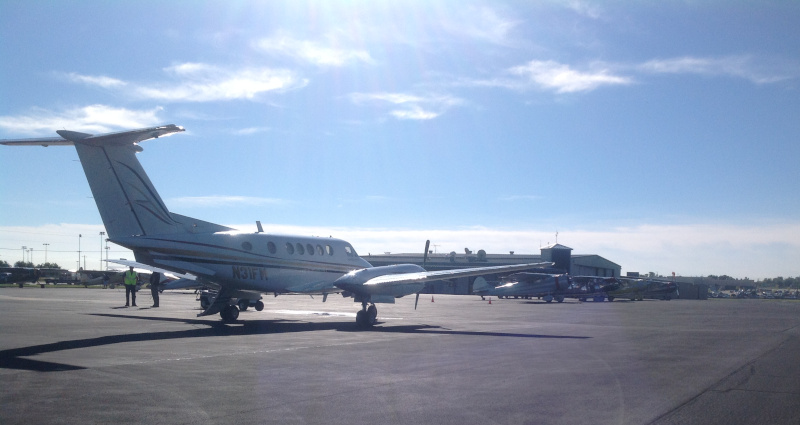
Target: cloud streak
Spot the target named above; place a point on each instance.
(312, 52)
(733, 66)
(409, 106)
(200, 82)
(89, 119)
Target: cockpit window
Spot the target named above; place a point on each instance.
(349, 251)
(289, 248)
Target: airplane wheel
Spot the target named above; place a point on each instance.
(243, 304)
(560, 299)
(203, 303)
(360, 317)
(229, 313)
(259, 305)
(610, 299)
(372, 315)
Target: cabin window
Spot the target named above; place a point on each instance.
(310, 249)
(320, 251)
(289, 248)
(271, 247)
(329, 249)
(247, 246)
(300, 249)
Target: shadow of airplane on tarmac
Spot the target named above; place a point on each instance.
(15, 358)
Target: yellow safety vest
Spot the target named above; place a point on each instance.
(130, 277)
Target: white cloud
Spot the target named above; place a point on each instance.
(412, 107)
(250, 130)
(480, 23)
(96, 80)
(312, 52)
(583, 8)
(735, 66)
(561, 78)
(198, 82)
(89, 119)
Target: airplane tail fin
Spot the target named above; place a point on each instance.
(128, 203)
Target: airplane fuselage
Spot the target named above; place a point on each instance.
(251, 261)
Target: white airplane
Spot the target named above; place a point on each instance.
(238, 264)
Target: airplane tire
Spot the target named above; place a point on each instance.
(243, 304)
(610, 299)
(372, 315)
(259, 305)
(229, 313)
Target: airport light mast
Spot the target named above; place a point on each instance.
(101, 250)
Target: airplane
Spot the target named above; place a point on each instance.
(595, 287)
(548, 286)
(639, 289)
(221, 257)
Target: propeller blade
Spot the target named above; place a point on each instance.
(416, 301)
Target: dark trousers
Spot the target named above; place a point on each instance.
(130, 289)
(154, 291)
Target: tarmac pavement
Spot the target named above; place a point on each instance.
(75, 355)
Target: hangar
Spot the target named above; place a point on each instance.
(565, 262)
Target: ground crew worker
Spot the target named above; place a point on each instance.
(130, 279)
(155, 279)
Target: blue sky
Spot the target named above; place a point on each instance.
(664, 136)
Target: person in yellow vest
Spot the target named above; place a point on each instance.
(130, 278)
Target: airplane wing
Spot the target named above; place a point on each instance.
(138, 265)
(424, 277)
(404, 279)
(121, 138)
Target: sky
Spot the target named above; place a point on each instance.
(663, 136)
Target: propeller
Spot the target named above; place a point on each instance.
(424, 260)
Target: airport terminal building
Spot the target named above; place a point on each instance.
(565, 262)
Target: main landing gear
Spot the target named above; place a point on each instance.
(367, 316)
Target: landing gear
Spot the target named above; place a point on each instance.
(259, 305)
(229, 313)
(243, 304)
(367, 316)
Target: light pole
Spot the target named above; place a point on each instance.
(79, 251)
(30, 257)
(101, 250)
(45, 251)
(106, 254)
(23, 254)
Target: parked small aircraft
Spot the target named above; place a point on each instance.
(237, 264)
(547, 286)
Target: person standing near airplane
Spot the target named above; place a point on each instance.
(130, 279)
(155, 279)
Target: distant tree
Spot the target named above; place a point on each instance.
(4, 263)
(48, 266)
(23, 264)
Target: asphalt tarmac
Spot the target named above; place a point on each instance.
(75, 355)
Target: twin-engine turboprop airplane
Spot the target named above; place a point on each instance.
(237, 264)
